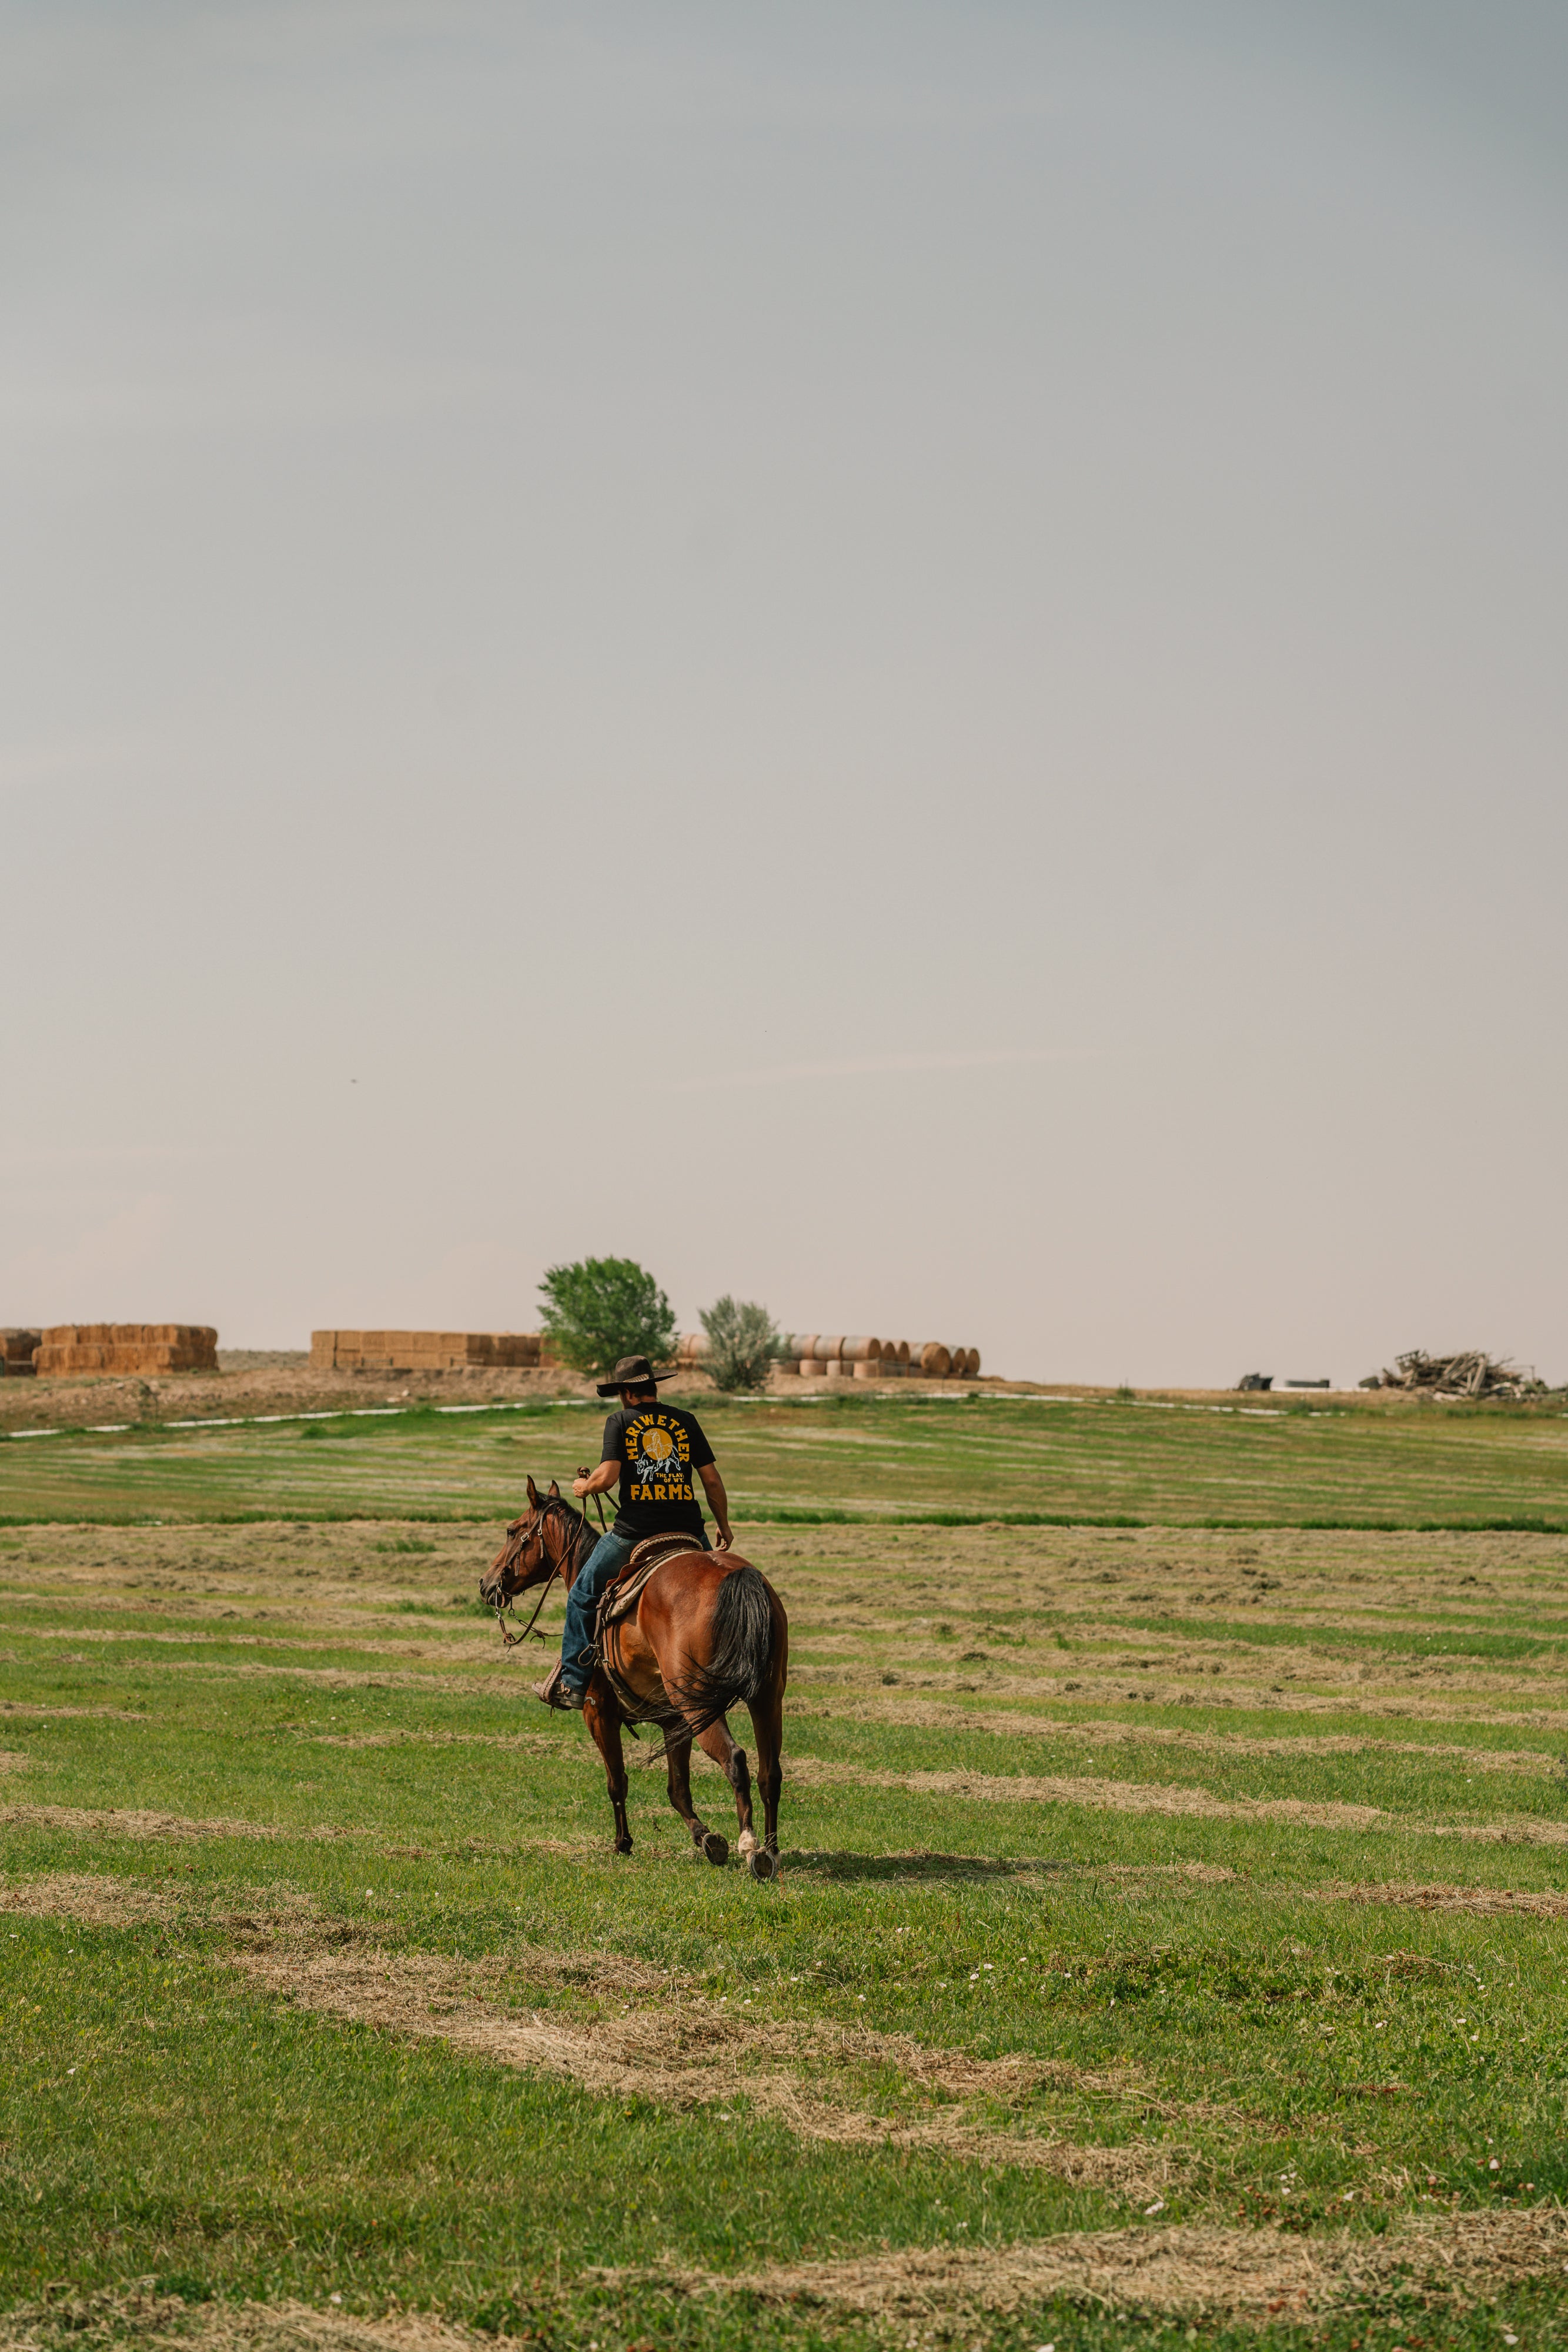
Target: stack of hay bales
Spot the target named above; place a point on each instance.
(691, 1347)
(17, 1349)
(831, 1356)
(128, 1348)
(430, 1351)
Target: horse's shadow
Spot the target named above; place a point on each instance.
(821, 1864)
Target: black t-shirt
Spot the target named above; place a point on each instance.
(658, 1446)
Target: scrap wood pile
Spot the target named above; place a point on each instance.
(127, 1347)
(1472, 1375)
(813, 1355)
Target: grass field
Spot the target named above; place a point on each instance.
(1168, 1947)
(977, 1456)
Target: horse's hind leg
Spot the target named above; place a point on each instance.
(707, 1841)
(717, 1742)
(768, 1722)
(603, 1718)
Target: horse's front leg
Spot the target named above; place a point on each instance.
(707, 1841)
(717, 1742)
(603, 1718)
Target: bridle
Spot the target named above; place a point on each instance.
(578, 1521)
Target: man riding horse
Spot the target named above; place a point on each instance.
(652, 1450)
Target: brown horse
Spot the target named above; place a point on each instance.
(709, 1630)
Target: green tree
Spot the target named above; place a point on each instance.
(742, 1343)
(602, 1309)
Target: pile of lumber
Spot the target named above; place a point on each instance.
(17, 1349)
(831, 1357)
(1472, 1375)
(429, 1352)
(128, 1348)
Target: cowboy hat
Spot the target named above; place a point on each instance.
(630, 1372)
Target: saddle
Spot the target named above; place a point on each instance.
(620, 1596)
(617, 1600)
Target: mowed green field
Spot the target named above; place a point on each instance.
(978, 1455)
(1168, 1944)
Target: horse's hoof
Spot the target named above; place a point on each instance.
(623, 1845)
(760, 1862)
(716, 1849)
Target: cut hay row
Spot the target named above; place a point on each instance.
(1197, 2272)
(1240, 2274)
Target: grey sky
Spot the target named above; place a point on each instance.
(904, 660)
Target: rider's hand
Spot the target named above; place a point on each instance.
(725, 1540)
(579, 1487)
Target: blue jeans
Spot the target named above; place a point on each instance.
(609, 1556)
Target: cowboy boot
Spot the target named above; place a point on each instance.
(554, 1692)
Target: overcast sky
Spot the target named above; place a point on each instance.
(905, 660)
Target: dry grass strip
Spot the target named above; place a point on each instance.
(536, 1742)
(1167, 1796)
(1490, 1901)
(482, 1682)
(139, 2316)
(1010, 1724)
(1248, 2274)
(132, 1822)
(95, 1901)
(1239, 2274)
(691, 2051)
(32, 1707)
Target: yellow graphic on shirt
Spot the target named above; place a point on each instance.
(659, 1453)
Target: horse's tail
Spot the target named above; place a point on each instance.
(741, 1656)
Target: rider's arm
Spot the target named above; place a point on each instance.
(599, 1481)
(719, 1502)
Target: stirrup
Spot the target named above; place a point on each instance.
(556, 1692)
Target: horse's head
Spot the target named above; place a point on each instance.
(524, 1560)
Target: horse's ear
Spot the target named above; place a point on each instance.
(555, 1489)
(533, 1495)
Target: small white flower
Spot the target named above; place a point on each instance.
(70, 2070)
(334, 2298)
(1157, 2207)
(1492, 2166)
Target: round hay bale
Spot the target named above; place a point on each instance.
(827, 1349)
(935, 1361)
(974, 1364)
(861, 1350)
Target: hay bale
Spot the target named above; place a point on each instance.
(860, 1350)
